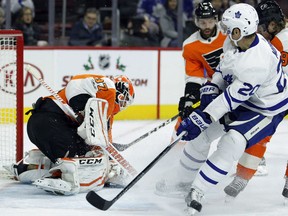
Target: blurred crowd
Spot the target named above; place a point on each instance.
(142, 23)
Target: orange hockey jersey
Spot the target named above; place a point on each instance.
(280, 41)
(202, 56)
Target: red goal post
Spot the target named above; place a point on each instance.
(11, 96)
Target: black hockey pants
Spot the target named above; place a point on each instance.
(53, 132)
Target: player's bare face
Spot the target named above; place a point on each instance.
(207, 27)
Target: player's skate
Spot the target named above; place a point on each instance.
(193, 200)
(262, 168)
(235, 187)
(169, 188)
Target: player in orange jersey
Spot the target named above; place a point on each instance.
(272, 27)
(201, 53)
(69, 147)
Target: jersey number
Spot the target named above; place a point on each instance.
(100, 84)
(248, 89)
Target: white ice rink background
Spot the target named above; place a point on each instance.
(261, 197)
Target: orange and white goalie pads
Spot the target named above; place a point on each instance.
(94, 127)
(36, 165)
(75, 175)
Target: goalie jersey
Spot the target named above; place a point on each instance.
(82, 87)
(253, 78)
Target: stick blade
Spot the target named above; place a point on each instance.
(95, 200)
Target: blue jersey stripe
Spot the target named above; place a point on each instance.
(207, 178)
(216, 168)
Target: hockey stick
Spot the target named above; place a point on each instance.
(97, 201)
(122, 147)
(112, 152)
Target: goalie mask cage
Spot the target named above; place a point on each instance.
(11, 97)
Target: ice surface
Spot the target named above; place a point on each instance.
(261, 197)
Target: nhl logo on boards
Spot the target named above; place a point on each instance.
(104, 62)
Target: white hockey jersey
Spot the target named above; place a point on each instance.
(253, 78)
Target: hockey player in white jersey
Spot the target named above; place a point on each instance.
(272, 27)
(253, 102)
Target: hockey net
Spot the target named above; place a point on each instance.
(11, 97)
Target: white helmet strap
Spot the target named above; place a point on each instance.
(236, 41)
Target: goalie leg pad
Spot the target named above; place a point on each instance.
(93, 171)
(69, 182)
(34, 166)
(78, 174)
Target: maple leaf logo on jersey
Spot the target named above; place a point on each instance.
(228, 78)
(238, 14)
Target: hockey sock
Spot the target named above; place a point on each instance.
(249, 161)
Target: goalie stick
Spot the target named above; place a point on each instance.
(97, 201)
(122, 147)
(112, 152)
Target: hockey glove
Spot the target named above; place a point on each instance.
(208, 92)
(194, 125)
(185, 106)
(191, 96)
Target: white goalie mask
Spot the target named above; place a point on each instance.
(242, 16)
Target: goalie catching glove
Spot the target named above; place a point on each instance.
(197, 122)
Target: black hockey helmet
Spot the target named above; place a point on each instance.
(269, 10)
(205, 10)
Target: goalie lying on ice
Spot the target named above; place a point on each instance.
(69, 159)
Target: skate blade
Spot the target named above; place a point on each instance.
(190, 211)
